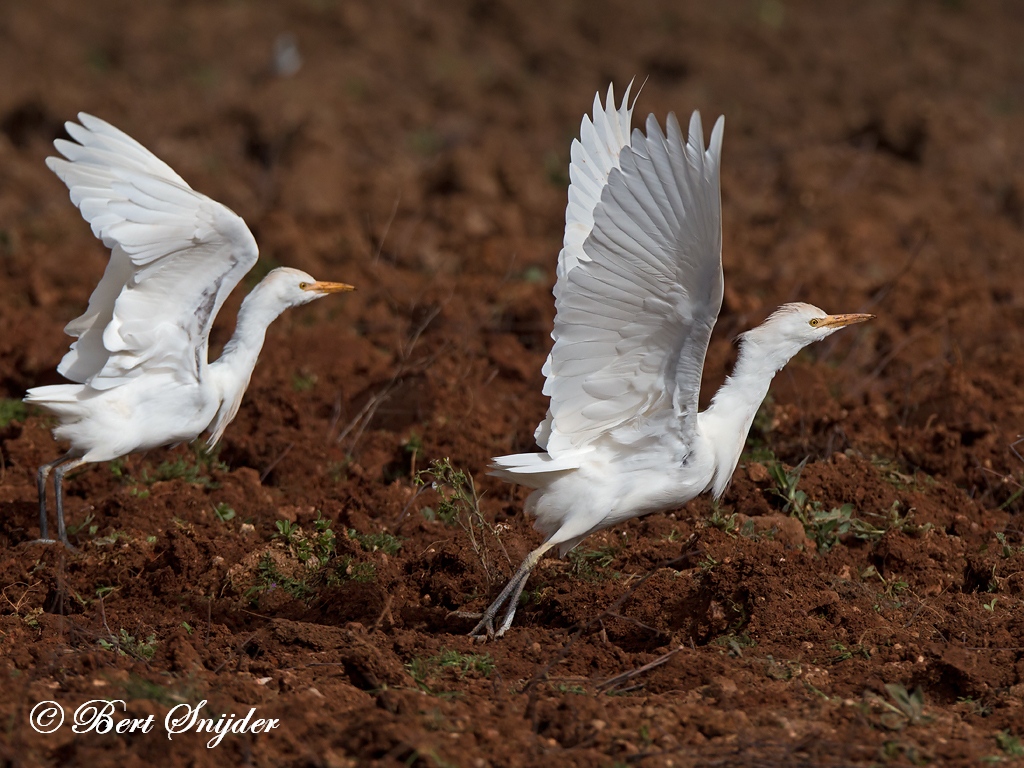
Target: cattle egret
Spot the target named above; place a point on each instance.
(639, 287)
(140, 359)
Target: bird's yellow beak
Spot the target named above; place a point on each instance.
(322, 287)
(840, 321)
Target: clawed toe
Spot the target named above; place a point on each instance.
(465, 614)
(483, 631)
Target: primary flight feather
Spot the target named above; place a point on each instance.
(141, 348)
(639, 288)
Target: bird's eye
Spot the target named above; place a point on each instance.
(303, 286)
(814, 322)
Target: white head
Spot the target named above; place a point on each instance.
(293, 287)
(792, 327)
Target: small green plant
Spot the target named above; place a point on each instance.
(311, 550)
(577, 690)
(462, 664)
(195, 472)
(286, 529)
(1010, 744)
(736, 643)
(119, 469)
(845, 654)
(823, 527)
(991, 607)
(128, 645)
(1007, 550)
(723, 522)
(349, 569)
(976, 707)
(457, 491)
(338, 470)
(466, 663)
(269, 578)
(11, 409)
(897, 750)
(459, 504)
(909, 704)
(645, 735)
(74, 530)
(111, 538)
(891, 472)
(223, 512)
(413, 445)
(384, 542)
(786, 486)
(586, 562)
(782, 670)
(534, 274)
(708, 562)
(892, 587)
(179, 469)
(895, 587)
(303, 382)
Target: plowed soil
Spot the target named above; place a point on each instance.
(856, 598)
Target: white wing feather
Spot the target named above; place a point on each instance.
(592, 157)
(175, 257)
(634, 312)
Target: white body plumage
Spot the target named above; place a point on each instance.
(140, 355)
(638, 292)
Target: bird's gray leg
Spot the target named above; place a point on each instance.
(513, 603)
(513, 589)
(58, 481)
(44, 472)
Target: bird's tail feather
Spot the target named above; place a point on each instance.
(60, 399)
(534, 470)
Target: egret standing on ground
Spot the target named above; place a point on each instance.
(140, 358)
(639, 287)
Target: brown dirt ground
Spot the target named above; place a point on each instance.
(872, 162)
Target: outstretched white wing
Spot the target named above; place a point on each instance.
(175, 256)
(635, 304)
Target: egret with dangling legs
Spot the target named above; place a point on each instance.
(139, 361)
(639, 287)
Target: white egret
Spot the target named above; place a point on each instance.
(140, 359)
(639, 287)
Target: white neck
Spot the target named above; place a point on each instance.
(727, 420)
(233, 369)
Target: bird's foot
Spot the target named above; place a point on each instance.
(483, 631)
